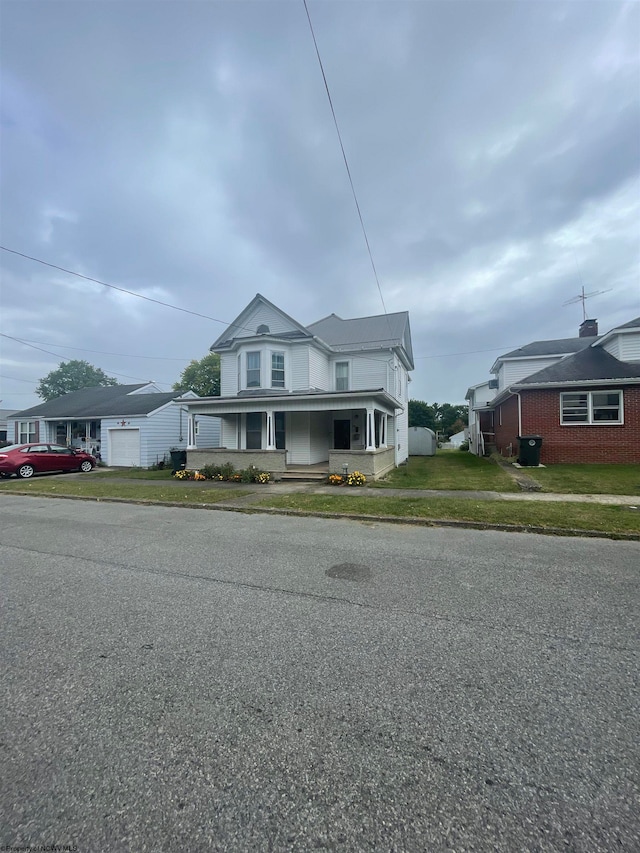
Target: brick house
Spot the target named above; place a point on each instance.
(582, 395)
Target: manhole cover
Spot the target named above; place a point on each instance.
(349, 572)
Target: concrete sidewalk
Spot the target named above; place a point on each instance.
(310, 488)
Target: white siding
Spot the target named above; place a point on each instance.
(262, 316)
(630, 347)
(613, 347)
(320, 426)
(228, 374)
(300, 368)
(369, 372)
(516, 370)
(298, 439)
(319, 375)
(229, 433)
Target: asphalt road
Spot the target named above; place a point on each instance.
(190, 680)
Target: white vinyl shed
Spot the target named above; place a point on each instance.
(422, 441)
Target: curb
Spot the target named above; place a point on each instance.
(354, 516)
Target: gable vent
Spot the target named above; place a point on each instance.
(262, 329)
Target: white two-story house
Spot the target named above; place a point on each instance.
(332, 395)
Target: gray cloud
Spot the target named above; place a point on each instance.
(187, 151)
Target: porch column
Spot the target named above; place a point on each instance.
(191, 432)
(271, 432)
(371, 430)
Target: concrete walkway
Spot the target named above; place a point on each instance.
(291, 487)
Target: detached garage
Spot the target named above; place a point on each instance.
(126, 426)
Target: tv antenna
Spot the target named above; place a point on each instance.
(582, 297)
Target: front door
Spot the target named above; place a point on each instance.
(342, 435)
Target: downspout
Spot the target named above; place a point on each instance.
(517, 393)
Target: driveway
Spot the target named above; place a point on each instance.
(193, 680)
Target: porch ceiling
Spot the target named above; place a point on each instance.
(315, 402)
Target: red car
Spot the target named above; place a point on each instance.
(25, 460)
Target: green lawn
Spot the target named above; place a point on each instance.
(588, 479)
(609, 519)
(133, 473)
(174, 491)
(449, 469)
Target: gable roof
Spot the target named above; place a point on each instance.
(380, 331)
(101, 402)
(588, 365)
(240, 324)
(632, 324)
(562, 346)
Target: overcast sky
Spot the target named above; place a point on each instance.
(186, 151)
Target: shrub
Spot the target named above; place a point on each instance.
(356, 479)
(464, 446)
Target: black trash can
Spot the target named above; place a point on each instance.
(529, 450)
(178, 460)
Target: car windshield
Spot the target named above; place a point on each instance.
(11, 447)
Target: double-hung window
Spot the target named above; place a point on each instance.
(342, 375)
(253, 369)
(591, 407)
(277, 370)
(27, 432)
(254, 430)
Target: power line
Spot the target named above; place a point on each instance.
(58, 355)
(344, 156)
(15, 379)
(186, 311)
(120, 289)
(102, 352)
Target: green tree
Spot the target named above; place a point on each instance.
(72, 376)
(202, 377)
(440, 417)
(421, 414)
(447, 415)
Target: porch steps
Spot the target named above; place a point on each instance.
(311, 475)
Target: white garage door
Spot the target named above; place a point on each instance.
(124, 447)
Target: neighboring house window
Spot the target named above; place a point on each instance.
(591, 407)
(254, 431)
(239, 372)
(27, 432)
(342, 375)
(253, 370)
(277, 370)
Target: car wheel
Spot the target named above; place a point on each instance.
(25, 471)
(86, 466)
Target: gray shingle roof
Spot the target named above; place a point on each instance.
(101, 402)
(632, 324)
(557, 347)
(379, 331)
(589, 364)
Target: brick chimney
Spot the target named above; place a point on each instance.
(588, 329)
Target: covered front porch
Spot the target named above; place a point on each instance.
(82, 434)
(281, 433)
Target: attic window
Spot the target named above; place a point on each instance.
(262, 329)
